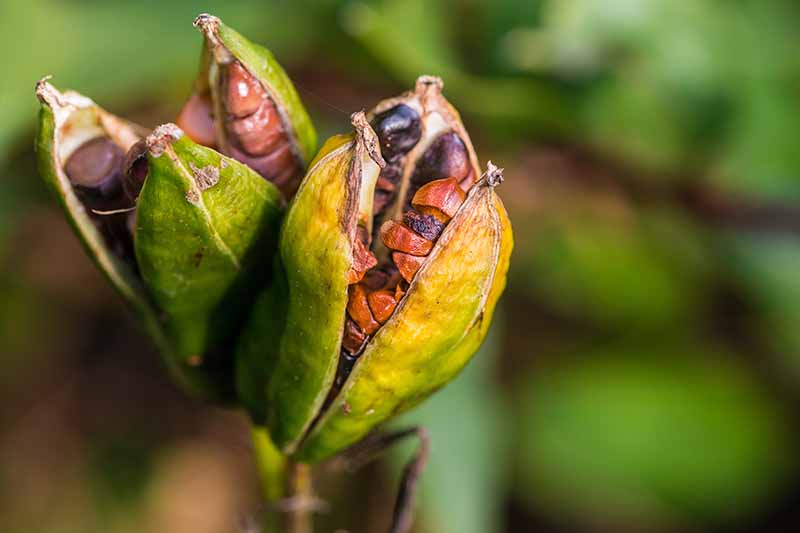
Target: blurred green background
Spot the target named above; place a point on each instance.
(644, 372)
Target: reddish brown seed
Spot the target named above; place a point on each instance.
(245, 93)
(384, 184)
(363, 260)
(353, 338)
(397, 236)
(382, 304)
(196, 120)
(407, 264)
(439, 197)
(358, 309)
(446, 157)
(270, 165)
(260, 133)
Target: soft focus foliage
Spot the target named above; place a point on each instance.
(645, 367)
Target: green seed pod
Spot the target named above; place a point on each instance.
(389, 295)
(184, 250)
(205, 237)
(245, 105)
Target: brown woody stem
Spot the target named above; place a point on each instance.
(300, 504)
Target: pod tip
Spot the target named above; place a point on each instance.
(367, 137)
(427, 82)
(162, 136)
(207, 23)
(494, 174)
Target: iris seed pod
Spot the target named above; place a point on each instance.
(356, 350)
(205, 237)
(177, 251)
(245, 105)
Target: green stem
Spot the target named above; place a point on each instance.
(272, 471)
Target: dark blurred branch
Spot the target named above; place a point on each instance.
(688, 192)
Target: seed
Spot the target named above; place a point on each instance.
(197, 121)
(135, 169)
(440, 198)
(353, 338)
(270, 165)
(399, 130)
(380, 201)
(260, 133)
(363, 260)
(382, 304)
(426, 225)
(384, 184)
(358, 309)
(447, 157)
(407, 264)
(95, 169)
(245, 93)
(397, 236)
(392, 172)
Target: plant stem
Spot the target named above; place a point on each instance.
(272, 469)
(301, 496)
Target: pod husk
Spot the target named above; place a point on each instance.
(435, 330)
(222, 40)
(205, 238)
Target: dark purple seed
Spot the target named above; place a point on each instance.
(447, 157)
(399, 130)
(135, 170)
(392, 172)
(95, 170)
(425, 225)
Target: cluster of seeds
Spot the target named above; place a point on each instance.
(430, 197)
(253, 132)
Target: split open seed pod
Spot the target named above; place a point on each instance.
(183, 233)
(245, 105)
(388, 295)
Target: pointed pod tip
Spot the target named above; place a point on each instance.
(494, 175)
(207, 23)
(162, 136)
(426, 83)
(55, 99)
(367, 137)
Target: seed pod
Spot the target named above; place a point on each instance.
(352, 354)
(190, 225)
(205, 237)
(245, 104)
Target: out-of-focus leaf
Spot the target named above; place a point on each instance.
(462, 486)
(768, 270)
(639, 435)
(628, 273)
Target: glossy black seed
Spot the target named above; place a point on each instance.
(425, 225)
(398, 129)
(135, 170)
